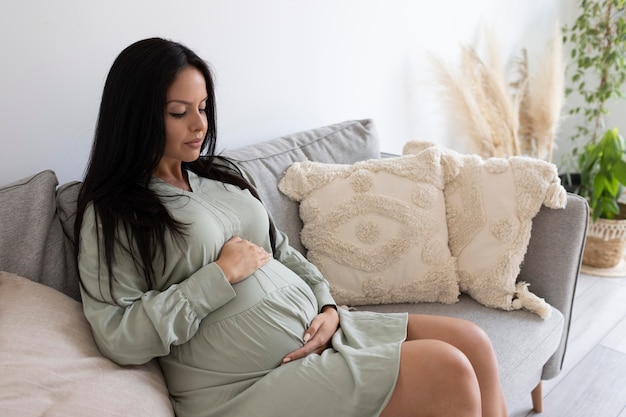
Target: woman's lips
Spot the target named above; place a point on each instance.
(194, 143)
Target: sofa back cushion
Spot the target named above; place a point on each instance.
(266, 162)
(32, 241)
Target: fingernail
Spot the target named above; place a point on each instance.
(286, 360)
(306, 337)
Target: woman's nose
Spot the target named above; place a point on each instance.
(199, 122)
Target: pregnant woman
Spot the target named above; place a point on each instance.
(180, 261)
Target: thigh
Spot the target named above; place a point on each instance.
(458, 332)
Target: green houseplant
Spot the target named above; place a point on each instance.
(598, 51)
(602, 168)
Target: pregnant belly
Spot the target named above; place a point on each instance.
(254, 331)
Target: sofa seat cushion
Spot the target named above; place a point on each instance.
(50, 364)
(523, 341)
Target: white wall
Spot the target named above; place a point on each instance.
(281, 65)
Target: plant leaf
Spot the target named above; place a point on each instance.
(619, 170)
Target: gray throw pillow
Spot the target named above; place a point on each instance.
(32, 241)
(341, 143)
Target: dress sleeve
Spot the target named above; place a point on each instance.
(131, 323)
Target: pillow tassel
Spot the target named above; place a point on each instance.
(529, 301)
(556, 196)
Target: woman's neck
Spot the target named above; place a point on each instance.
(178, 179)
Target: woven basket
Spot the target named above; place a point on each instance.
(606, 242)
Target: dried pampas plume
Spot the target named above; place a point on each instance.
(468, 105)
(504, 118)
(521, 97)
(545, 90)
(478, 98)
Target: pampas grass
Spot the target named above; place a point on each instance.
(478, 97)
(505, 118)
(467, 103)
(546, 97)
(521, 96)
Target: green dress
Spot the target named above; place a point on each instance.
(220, 345)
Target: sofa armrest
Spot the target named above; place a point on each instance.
(553, 260)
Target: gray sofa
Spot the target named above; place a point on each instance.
(36, 227)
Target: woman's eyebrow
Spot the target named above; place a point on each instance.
(175, 100)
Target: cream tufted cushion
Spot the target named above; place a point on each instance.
(490, 206)
(377, 229)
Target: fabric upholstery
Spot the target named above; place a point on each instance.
(67, 196)
(32, 241)
(377, 228)
(50, 364)
(341, 143)
(553, 260)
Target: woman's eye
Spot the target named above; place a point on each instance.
(177, 115)
(202, 110)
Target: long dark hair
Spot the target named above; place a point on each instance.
(128, 144)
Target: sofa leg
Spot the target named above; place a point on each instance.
(537, 396)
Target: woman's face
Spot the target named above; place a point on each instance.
(185, 117)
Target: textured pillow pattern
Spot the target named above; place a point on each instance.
(50, 364)
(376, 229)
(490, 205)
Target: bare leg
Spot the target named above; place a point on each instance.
(474, 343)
(435, 380)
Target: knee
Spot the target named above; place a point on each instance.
(452, 379)
(478, 333)
(476, 338)
(453, 366)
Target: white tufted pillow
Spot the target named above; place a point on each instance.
(377, 229)
(490, 205)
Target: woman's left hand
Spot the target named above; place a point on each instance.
(317, 336)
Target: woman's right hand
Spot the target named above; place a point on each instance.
(240, 258)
